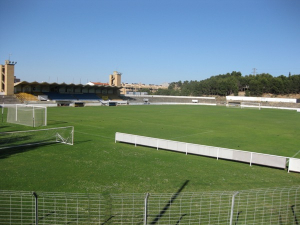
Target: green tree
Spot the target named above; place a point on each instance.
(145, 90)
(232, 83)
(255, 88)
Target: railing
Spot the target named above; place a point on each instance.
(260, 206)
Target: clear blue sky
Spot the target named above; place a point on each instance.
(149, 41)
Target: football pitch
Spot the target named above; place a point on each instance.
(96, 164)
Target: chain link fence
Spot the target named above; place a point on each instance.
(261, 206)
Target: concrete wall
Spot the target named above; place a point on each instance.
(153, 99)
(260, 99)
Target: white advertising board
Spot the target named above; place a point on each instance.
(210, 151)
(260, 99)
(128, 138)
(269, 160)
(163, 144)
(181, 146)
(147, 141)
(294, 165)
(193, 148)
(225, 153)
(172, 145)
(241, 156)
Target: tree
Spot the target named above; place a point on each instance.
(232, 83)
(145, 90)
(277, 86)
(255, 88)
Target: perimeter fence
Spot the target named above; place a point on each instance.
(261, 206)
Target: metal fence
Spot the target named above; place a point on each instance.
(261, 206)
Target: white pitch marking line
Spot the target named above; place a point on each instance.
(295, 154)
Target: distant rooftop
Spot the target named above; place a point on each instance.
(97, 84)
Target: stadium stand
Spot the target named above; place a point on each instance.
(6, 99)
(114, 98)
(26, 97)
(104, 97)
(72, 97)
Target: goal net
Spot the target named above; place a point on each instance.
(12, 139)
(233, 104)
(253, 105)
(29, 115)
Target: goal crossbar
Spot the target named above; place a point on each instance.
(256, 105)
(14, 139)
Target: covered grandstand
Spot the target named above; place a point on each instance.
(66, 94)
(13, 91)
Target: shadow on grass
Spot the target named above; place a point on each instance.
(6, 141)
(55, 122)
(167, 206)
(7, 152)
(108, 220)
(81, 142)
(3, 126)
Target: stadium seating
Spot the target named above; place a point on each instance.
(115, 98)
(72, 97)
(6, 99)
(26, 97)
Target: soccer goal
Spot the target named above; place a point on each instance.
(253, 105)
(12, 139)
(28, 115)
(233, 104)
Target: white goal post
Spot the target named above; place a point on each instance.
(28, 115)
(255, 105)
(13, 139)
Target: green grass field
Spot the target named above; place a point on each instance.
(96, 164)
